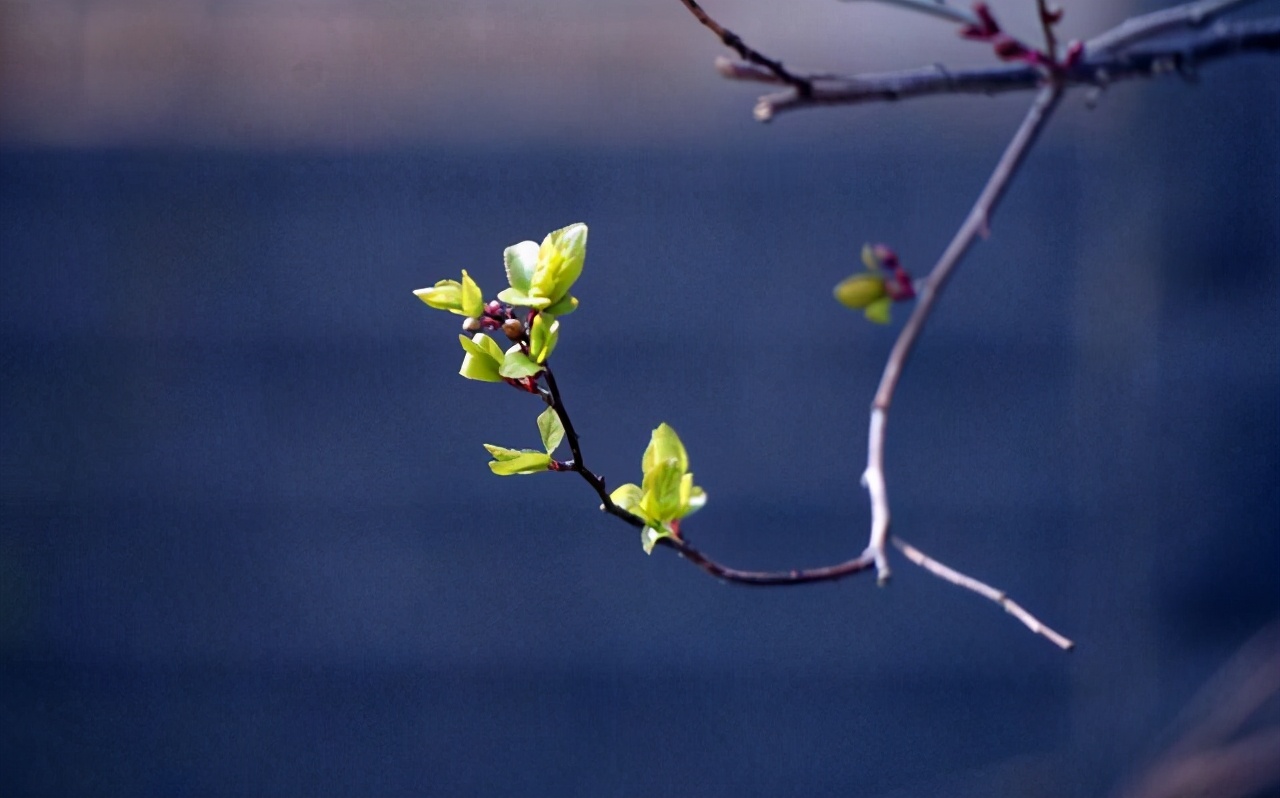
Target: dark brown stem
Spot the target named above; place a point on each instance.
(553, 398)
(804, 576)
(1048, 19)
(829, 573)
(803, 87)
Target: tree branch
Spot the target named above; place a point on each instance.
(869, 558)
(982, 589)
(733, 41)
(1188, 15)
(1098, 68)
(975, 225)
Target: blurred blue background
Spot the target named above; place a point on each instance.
(248, 541)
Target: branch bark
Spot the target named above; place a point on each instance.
(1101, 66)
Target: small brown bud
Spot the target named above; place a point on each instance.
(514, 328)
(471, 325)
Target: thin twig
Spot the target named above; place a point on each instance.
(553, 398)
(733, 41)
(1172, 55)
(1188, 15)
(934, 8)
(1048, 18)
(982, 589)
(975, 225)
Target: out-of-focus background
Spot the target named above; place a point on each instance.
(248, 541)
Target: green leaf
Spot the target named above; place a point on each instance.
(517, 365)
(514, 296)
(550, 428)
(566, 305)
(661, 485)
(869, 258)
(526, 461)
(472, 300)
(664, 444)
(860, 290)
(560, 260)
(520, 261)
(692, 497)
(483, 359)
(649, 537)
(444, 295)
(878, 311)
(627, 497)
(502, 452)
(543, 336)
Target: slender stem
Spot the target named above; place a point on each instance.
(828, 573)
(974, 225)
(1099, 68)
(1187, 15)
(982, 589)
(935, 8)
(734, 42)
(1048, 18)
(553, 398)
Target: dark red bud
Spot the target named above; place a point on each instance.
(1074, 52)
(494, 308)
(1009, 48)
(989, 25)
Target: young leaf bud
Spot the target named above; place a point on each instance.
(514, 328)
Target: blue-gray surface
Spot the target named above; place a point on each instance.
(250, 545)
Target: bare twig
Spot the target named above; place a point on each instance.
(734, 42)
(1095, 69)
(982, 589)
(975, 225)
(1188, 15)
(934, 8)
(800, 576)
(1048, 18)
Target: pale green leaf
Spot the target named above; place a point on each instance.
(860, 290)
(516, 365)
(520, 260)
(544, 334)
(564, 306)
(483, 358)
(527, 462)
(878, 311)
(661, 485)
(627, 497)
(514, 296)
(560, 260)
(502, 453)
(649, 537)
(551, 430)
(472, 299)
(444, 295)
(664, 444)
(869, 258)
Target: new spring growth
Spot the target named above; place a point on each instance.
(666, 494)
(875, 290)
(539, 278)
(1008, 48)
